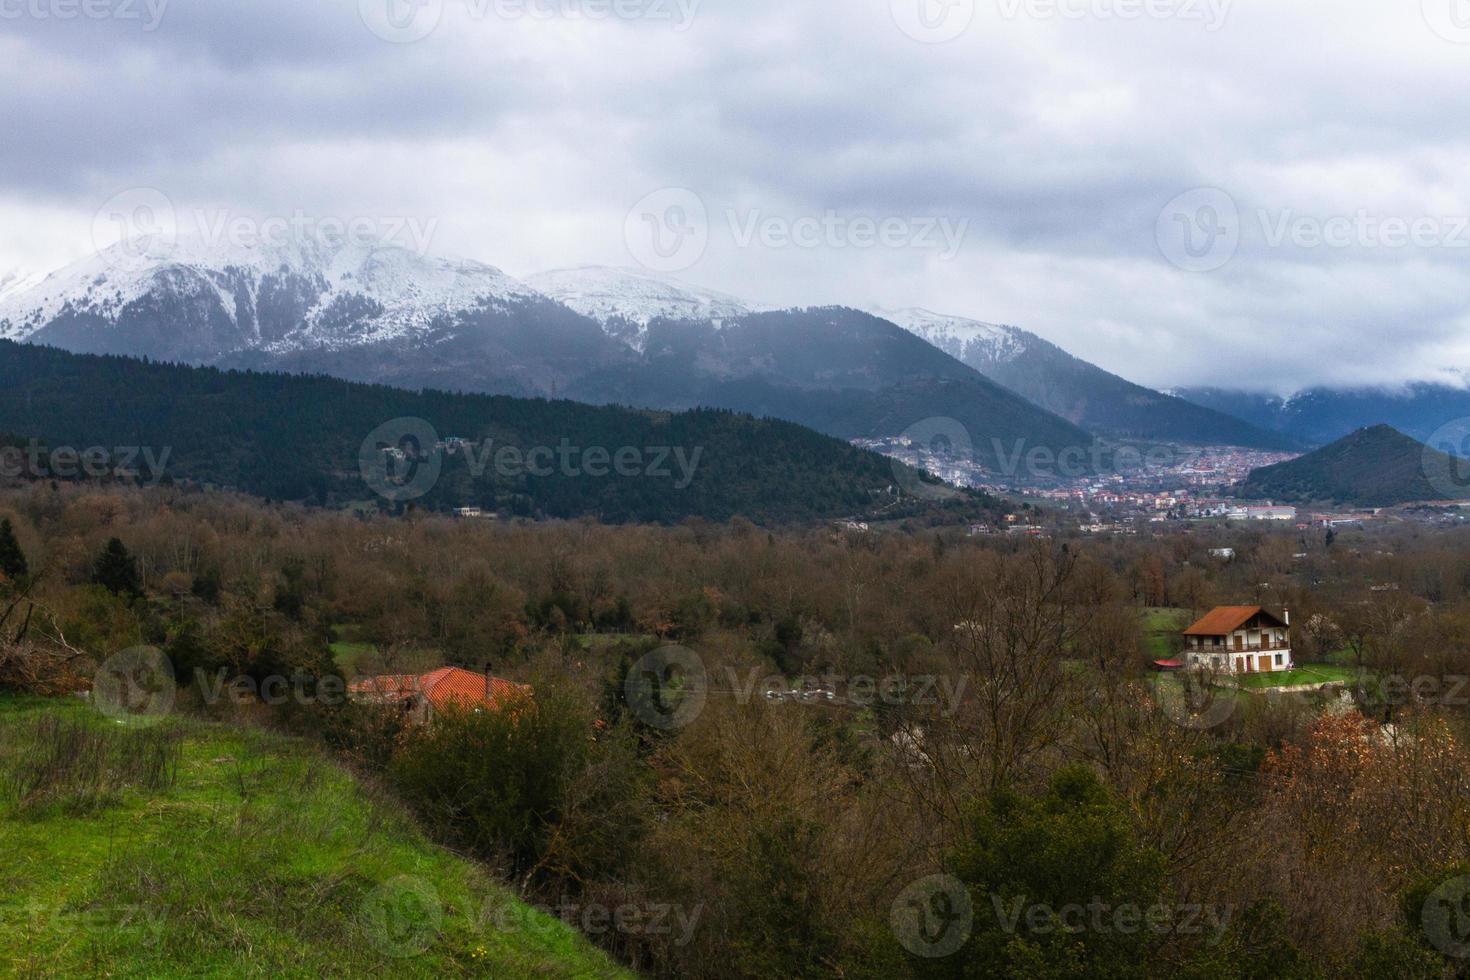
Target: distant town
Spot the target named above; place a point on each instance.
(1142, 485)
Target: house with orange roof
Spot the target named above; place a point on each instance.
(421, 696)
(1239, 640)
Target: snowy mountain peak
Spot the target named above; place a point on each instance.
(961, 337)
(388, 290)
(625, 301)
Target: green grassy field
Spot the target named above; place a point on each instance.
(1305, 674)
(1161, 625)
(355, 655)
(199, 850)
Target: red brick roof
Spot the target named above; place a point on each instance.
(1223, 620)
(444, 687)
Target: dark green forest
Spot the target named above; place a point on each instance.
(300, 438)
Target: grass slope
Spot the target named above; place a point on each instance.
(250, 855)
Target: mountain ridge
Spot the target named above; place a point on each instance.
(1376, 466)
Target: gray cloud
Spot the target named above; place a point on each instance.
(1055, 141)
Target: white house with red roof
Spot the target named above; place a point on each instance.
(1239, 640)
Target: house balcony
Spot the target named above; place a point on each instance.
(1241, 648)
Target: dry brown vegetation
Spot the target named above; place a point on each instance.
(793, 824)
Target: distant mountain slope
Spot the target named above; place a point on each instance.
(1320, 415)
(300, 438)
(626, 301)
(838, 370)
(1078, 391)
(1373, 467)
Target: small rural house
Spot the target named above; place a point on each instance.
(421, 695)
(1239, 640)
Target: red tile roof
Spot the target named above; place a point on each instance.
(444, 687)
(1223, 620)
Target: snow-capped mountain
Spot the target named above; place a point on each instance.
(374, 312)
(626, 301)
(381, 313)
(1078, 391)
(971, 341)
(270, 296)
(14, 281)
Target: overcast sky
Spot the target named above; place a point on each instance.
(1265, 193)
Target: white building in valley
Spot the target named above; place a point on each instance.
(1239, 640)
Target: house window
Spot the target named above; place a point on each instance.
(1278, 660)
(1217, 662)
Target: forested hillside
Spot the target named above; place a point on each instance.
(302, 439)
